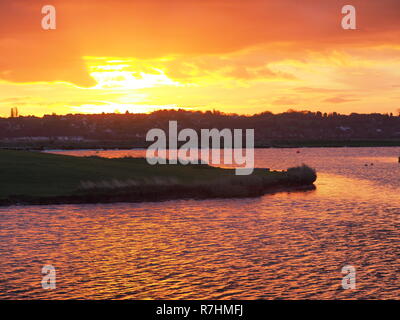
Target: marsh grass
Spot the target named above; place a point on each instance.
(302, 174)
(220, 187)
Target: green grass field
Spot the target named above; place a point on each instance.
(30, 177)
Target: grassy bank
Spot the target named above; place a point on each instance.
(41, 178)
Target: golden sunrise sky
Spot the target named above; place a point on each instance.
(230, 55)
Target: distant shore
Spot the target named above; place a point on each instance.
(35, 178)
(126, 145)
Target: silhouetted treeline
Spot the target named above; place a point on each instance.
(291, 125)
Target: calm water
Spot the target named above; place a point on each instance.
(287, 245)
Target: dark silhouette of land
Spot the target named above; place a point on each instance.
(43, 178)
(288, 129)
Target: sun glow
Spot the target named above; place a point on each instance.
(126, 74)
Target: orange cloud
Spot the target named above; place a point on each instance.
(157, 28)
(339, 99)
(233, 54)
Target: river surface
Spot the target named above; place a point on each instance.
(281, 246)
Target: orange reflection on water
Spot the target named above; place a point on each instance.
(286, 245)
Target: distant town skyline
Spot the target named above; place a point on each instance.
(241, 57)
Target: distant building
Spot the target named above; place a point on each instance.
(14, 112)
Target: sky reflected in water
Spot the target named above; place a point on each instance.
(286, 245)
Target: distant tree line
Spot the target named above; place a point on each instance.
(290, 125)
